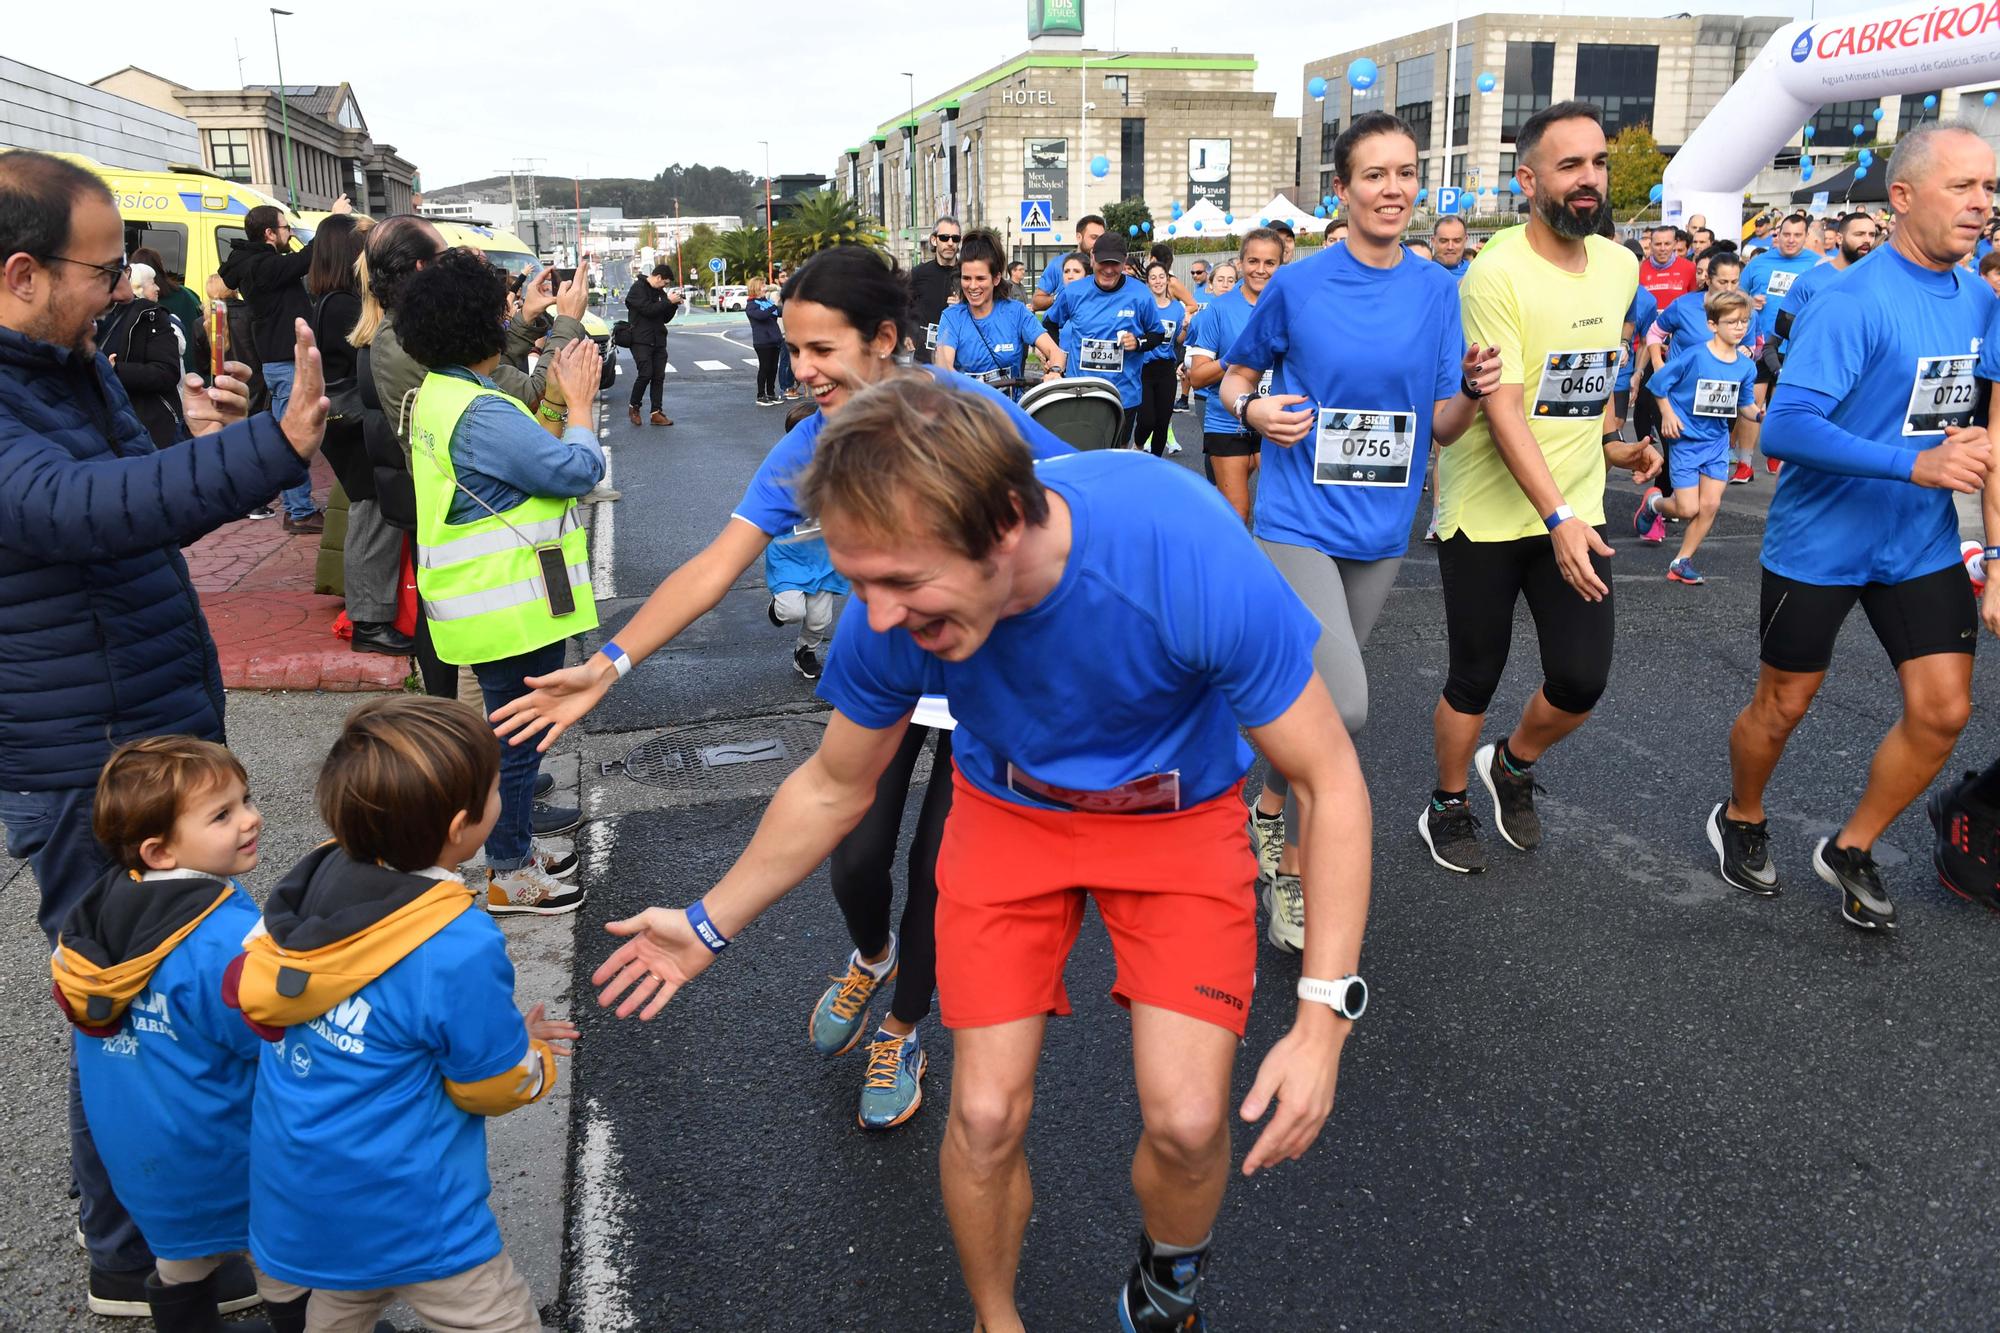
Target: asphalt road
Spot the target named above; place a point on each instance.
(1596, 1087)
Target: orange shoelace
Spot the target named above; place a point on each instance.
(885, 1061)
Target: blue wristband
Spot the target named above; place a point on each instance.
(704, 929)
(1990, 553)
(1562, 515)
(618, 657)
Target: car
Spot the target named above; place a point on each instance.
(732, 298)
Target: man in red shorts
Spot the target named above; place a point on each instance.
(1102, 625)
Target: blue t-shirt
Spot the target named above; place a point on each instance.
(997, 344)
(1684, 323)
(1457, 270)
(1698, 371)
(1861, 347)
(1092, 320)
(1309, 494)
(1804, 288)
(1761, 274)
(1172, 315)
(169, 1096)
(1222, 322)
(768, 504)
(363, 1172)
(1167, 631)
(1052, 279)
(1641, 314)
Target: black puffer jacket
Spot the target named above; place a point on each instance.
(649, 311)
(139, 336)
(274, 285)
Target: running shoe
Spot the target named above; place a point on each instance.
(1973, 556)
(1173, 446)
(1181, 404)
(556, 865)
(262, 512)
(1267, 837)
(1682, 570)
(771, 614)
(555, 821)
(1647, 525)
(1743, 852)
(841, 1012)
(1513, 799)
(1771, 465)
(1863, 900)
(1741, 475)
(1967, 852)
(1285, 903)
(1451, 831)
(893, 1089)
(807, 662)
(1161, 1293)
(530, 891)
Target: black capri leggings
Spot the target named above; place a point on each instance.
(1482, 581)
(1156, 404)
(767, 370)
(862, 862)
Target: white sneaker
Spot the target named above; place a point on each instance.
(1173, 446)
(1267, 839)
(530, 891)
(1285, 903)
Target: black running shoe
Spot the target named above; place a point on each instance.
(555, 821)
(771, 614)
(1863, 901)
(1743, 852)
(1451, 831)
(1160, 1295)
(1513, 799)
(807, 662)
(1966, 854)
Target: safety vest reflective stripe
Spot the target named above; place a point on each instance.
(493, 543)
(498, 599)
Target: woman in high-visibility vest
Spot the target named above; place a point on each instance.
(503, 565)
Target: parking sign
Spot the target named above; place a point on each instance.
(1447, 200)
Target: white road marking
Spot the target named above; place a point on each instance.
(751, 362)
(603, 524)
(672, 369)
(713, 365)
(599, 1279)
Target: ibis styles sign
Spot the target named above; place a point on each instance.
(1054, 16)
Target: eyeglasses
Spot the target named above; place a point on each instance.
(112, 272)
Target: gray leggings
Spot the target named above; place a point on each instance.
(1347, 597)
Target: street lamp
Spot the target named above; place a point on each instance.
(767, 208)
(910, 165)
(284, 112)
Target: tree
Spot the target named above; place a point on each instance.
(702, 244)
(1126, 214)
(649, 236)
(1636, 167)
(743, 251)
(821, 220)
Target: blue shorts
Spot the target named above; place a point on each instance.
(1703, 458)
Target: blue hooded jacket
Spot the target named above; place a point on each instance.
(101, 635)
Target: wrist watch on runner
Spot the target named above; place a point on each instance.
(1347, 997)
(1243, 401)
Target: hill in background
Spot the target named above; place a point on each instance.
(702, 191)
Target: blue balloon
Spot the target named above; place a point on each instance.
(1319, 210)
(1197, 224)
(1987, 100)
(1653, 195)
(1316, 87)
(1263, 222)
(1056, 236)
(1930, 100)
(1859, 130)
(1861, 173)
(1362, 73)
(1171, 229)
(1809, 131)
(1487, 83)
(1132, 230)
(1100, 165)
(1423, 195)
(1865, 156)
(1177, 208)
(1806, 172)
(1877, 113)
(1146, 227)
(1513, 185)
(1229, 219)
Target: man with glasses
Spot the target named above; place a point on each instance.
(934, 284)
(100, 640)
(271, 277)
(1198, 296)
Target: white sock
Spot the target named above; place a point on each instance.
(1653, 501)
(881, 969)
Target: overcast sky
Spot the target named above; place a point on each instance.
(633, 87)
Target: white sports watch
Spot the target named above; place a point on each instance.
(1347, 997)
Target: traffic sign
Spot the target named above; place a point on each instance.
(1447, 199)
(716, 266)
(1037, 215)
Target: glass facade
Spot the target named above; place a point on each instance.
(1833, 124)
(1329, 127)
(1621, 80)
(1132, 157)
(1416, 87)
(1527, 86)
(1913, 114)
(1461, 96)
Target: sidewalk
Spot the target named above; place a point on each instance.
(272, 631)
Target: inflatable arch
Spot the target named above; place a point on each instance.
(1896, 49)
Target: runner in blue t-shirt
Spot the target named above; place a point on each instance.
(1109, 324)
(1700, 394)
(1229, 449)
(1448, 238)
(1874, 419)
(1856, 234)
(985, 338)
(1088, 228)
(1347, 431)
(1104, 628)
(1767, 280)
(1198, 297)
(1640, 317)
(846, 312)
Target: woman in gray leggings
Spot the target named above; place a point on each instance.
(1368, 366)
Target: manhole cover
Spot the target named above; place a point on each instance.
(722, 759)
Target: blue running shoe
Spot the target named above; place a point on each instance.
(841, 1013)
(894, 1088)
(1683, 571)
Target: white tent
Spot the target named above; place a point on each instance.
(1281, 209)
(1205, 212)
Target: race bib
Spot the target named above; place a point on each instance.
(1943, 394)
(1716, 398)
(1354, 448)
(930, 337)
(991, 376)
(1264, 383)
(1781, 282)
(1576, 384)
(1156, 793)
(1103, 355)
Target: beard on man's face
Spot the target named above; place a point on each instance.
(1576, 223)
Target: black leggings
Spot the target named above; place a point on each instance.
(767, 371)
(1156, 404)
(864, 858)
(1482, 581)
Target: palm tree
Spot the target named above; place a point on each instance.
(819, 221)
(743, 251)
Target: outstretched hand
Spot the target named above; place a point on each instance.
(660, 955)
(557, 702)
(1300, 1072)
(304, 422)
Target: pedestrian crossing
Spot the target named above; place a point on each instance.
(706, 364)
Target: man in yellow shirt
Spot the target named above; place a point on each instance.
(1522, 507)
